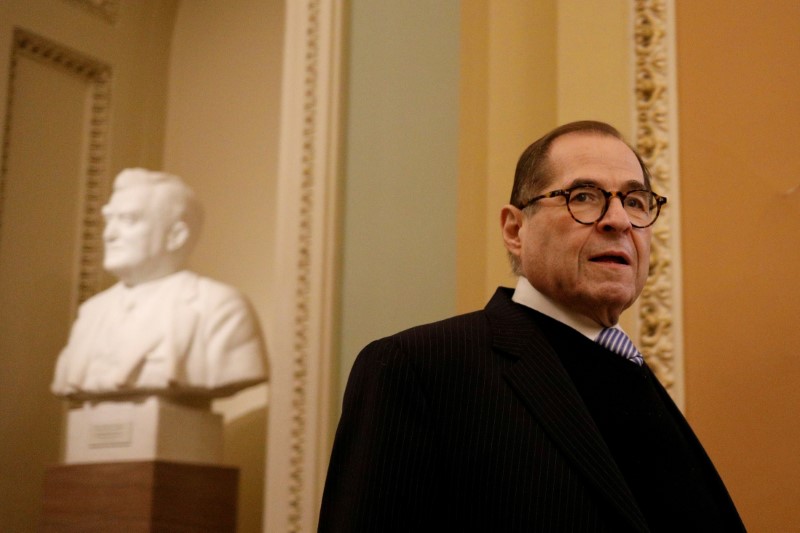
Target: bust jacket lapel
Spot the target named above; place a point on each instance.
(546, 390)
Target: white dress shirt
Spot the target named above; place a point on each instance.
(527, 295)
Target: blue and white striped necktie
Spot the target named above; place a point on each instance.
(615, 340)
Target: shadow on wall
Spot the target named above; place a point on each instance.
(246, 447)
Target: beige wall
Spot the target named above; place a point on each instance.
(46, 161)
(739, 133)
(527, 66)
(222, 137)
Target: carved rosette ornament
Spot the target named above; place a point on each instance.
(656, 139)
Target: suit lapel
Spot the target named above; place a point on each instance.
(547, 391)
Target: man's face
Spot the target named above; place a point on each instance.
(597, 270)
(135, 234)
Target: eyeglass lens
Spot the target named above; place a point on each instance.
(587, 205)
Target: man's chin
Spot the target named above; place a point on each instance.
(114, 268)
(614, 300)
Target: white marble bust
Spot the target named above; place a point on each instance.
(161, 330)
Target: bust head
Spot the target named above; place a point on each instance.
(152, 222)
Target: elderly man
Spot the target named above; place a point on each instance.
(536, 413)
(161, 329)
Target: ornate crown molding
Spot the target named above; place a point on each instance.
(98, 77)
(660, 316)
(299, 420)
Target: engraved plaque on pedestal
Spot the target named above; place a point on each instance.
(146, 429)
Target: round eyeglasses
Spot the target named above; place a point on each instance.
(587, 204)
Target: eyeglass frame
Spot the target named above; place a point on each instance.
(660, 201)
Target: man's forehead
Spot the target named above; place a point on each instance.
(578, 153)
(589, 142)
(130, 198)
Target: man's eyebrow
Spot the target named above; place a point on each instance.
(121, 212)
(634, 185)
(630, 185)
(577, 182)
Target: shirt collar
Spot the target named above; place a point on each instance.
(527, 295)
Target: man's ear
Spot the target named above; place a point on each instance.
(177, 236)
(511, 224)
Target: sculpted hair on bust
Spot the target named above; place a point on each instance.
(533, 173)
(174, 199)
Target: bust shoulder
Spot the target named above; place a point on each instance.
(194, 286)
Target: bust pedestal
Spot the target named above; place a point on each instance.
(139, 496)
(146, 429)
(141, 465)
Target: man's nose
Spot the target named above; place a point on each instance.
(616, 217)
(109, 231)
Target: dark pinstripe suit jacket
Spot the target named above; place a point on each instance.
(471, 424)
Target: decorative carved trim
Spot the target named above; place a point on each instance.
(303, 340)
(660, 316)
(105, 9)
(98, 75)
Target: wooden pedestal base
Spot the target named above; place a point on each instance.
(147, 496)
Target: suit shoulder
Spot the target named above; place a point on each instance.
(475, 322)
(452, 335)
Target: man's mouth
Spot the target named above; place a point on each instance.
(610, 258)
